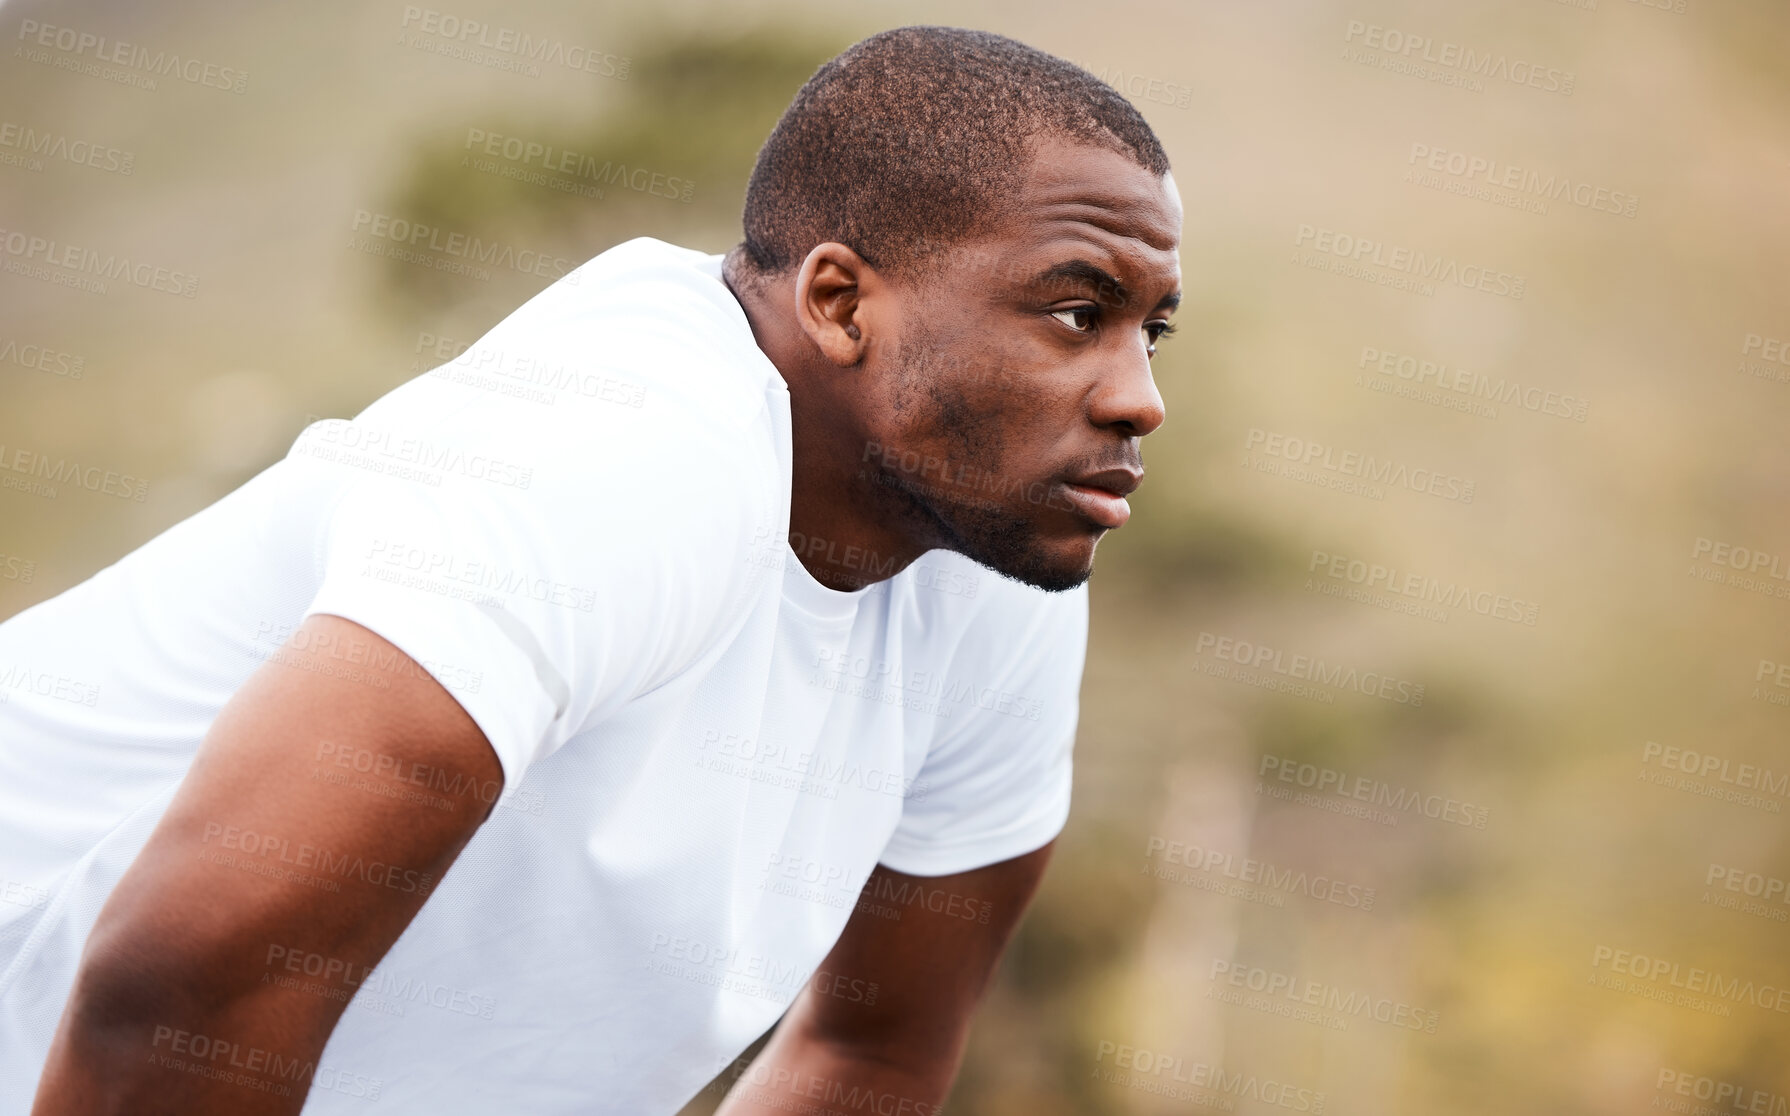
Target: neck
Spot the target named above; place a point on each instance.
(847, 530)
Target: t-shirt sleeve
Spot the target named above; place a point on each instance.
(995, 782)
(543, 576)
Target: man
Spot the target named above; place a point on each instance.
(663, 616)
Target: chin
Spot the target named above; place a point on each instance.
(1050, 552)
(1053, 568)
(1058, 581)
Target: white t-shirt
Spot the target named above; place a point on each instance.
(580, 527)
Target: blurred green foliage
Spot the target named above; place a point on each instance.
(694, 108)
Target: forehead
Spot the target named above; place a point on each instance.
(1081, 201)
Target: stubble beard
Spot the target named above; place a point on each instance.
(959, 517)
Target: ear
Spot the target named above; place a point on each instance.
(832, 288)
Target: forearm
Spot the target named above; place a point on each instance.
(217, 969)
(797, 1074)
(112, 1057)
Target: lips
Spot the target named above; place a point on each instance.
(1121, 482)
(1101, 496)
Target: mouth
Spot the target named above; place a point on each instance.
(1103, 506)
(1100, 497)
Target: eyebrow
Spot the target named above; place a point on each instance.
(1082, 271)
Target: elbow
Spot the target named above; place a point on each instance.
(135, 988)
(122, 1021)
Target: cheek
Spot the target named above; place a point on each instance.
(1027, 409)
(983, 408)
(974, 417)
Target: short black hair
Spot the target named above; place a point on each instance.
(915, 138)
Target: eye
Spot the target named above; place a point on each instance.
(1157, 330)
(1079, 318)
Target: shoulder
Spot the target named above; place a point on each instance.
(653, 314)
(631, 389)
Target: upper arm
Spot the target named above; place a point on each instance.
(929, 945)
(555, 591)
(300, 829)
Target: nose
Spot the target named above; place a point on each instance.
(1125, 398)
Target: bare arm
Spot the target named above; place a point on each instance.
(183, 1003)
(931, 967)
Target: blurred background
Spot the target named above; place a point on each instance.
(1433, 743)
